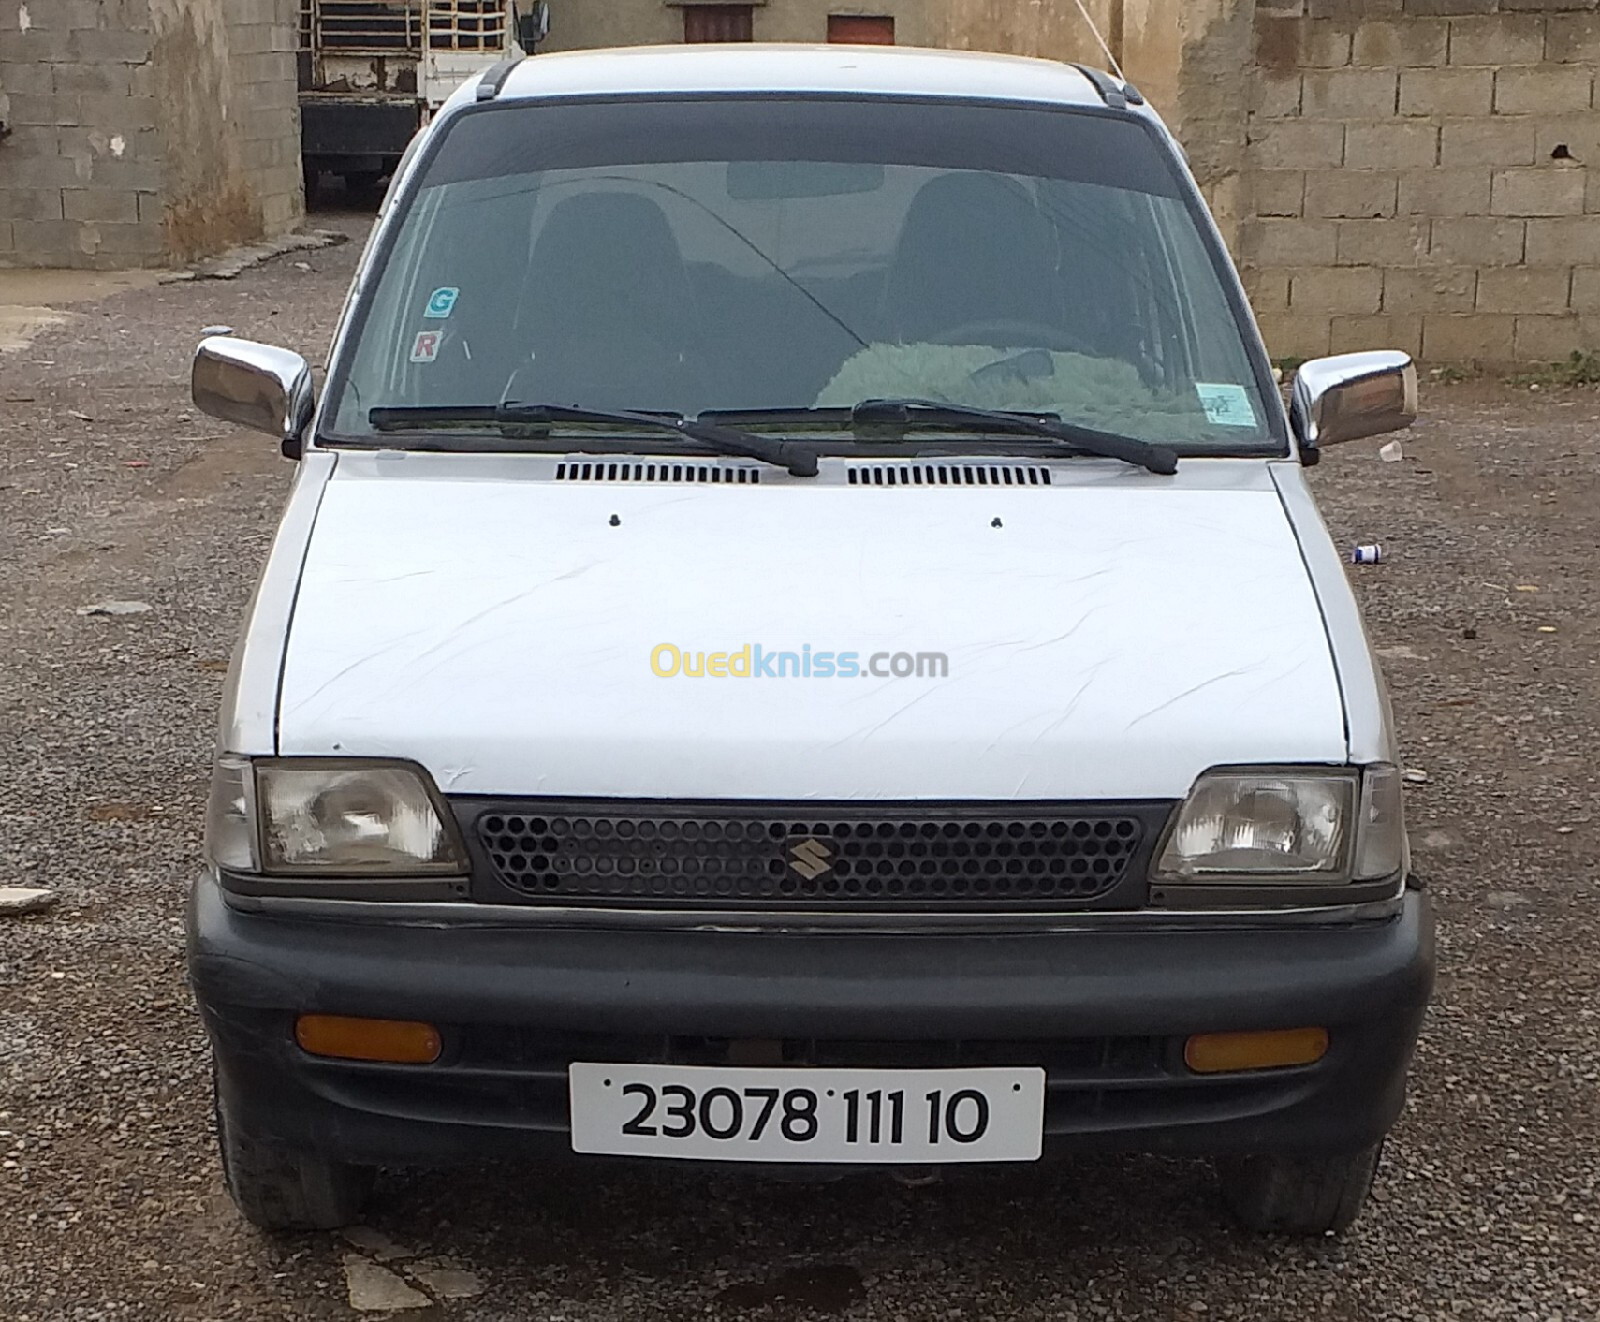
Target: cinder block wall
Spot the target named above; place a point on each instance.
(1424, 175)
(145, 132)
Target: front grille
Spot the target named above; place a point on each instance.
(956, 857)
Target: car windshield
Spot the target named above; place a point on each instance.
(792, 255)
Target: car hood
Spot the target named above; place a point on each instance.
(1109, 635)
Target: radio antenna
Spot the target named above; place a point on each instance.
(1110, 58)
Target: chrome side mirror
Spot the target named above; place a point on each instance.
(1350, 396)
(256, 385)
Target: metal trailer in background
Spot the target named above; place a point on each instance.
(372, 72)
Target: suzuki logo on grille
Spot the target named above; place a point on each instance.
(811, 859)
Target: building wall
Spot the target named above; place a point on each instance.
(145, 132)
(580, 25)
(1425, 175)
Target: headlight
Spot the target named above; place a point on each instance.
(1293, 826)
(327, 817)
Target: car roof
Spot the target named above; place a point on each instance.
(778, 69)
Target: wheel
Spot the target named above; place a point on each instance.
(1297, 1195)
(278, 1188)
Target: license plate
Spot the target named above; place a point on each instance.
(725, 1113)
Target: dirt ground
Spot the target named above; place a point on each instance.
(113, 488)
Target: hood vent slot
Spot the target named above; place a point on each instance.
(948, 475)
(635, 471)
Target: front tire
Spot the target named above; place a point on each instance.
(279, 1188)
(1297, 1195)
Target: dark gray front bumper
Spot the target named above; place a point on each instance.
(1105, 1012)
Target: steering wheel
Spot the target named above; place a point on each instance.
(1014, 333)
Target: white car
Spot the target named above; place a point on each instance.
(800, 637)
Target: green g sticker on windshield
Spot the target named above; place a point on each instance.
(1226, 405)
(441, 303)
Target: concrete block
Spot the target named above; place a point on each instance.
(1456, 92)
(1268, 290)
(103, 46)
(27, 147)
(1525, 289)
(36, 45)
(1551, 339)
(1546, 91)
(101, 204)
(1435, 7)
(1492, 40)
(152, 210)
(1297, 42)
(24, 203)
(117, 115)
(1429, 289)
(1416, 42)
(1351, 10)
(1570, 138)
(76, 79)
(1294, 335)
(1287, 242)
(64, 15)
(1467, 339)
(1336, 289)
(1390, 146)
(1348, 93)
(1302, 144)
(1487, 142)
(27, 79)
(1444, 192)
(49, 242)
(1547, 6)
(8, 244)
(1364, 193)
(1476, 241)
(1585, 295)
(42, 111)
(1541, 190)
(1278, 192)
(1553, 242)
(1382, 243)
(1354, 334)
(132, 240)
(1273, 97)
(1572, 39)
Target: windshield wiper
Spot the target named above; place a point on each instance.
(1086, 440)
(510, 418)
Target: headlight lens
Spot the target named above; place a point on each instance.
(1287, 826)
(329, 817)
(315, 816)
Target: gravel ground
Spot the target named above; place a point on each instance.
(111, 487)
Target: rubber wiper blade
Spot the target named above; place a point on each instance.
(1084, 440)
(512, 416)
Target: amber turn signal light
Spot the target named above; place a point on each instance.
(1219, 1053)
(392, 1041)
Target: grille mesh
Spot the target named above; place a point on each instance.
(841, 859)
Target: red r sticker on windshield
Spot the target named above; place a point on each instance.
(425, 348)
